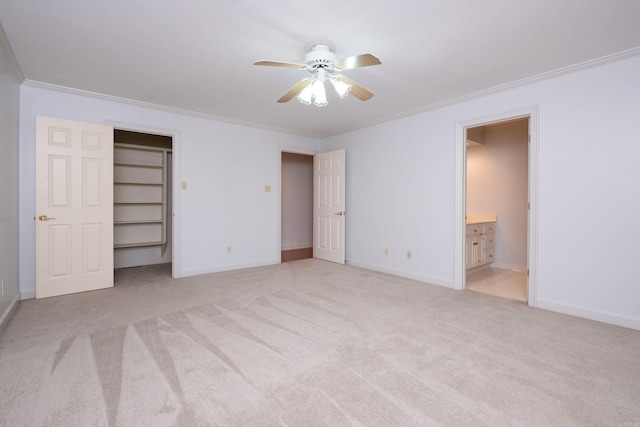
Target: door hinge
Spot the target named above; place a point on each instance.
(529, 205)
(529, 138)
(527, 272)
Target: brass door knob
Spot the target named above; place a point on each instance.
(45, 218)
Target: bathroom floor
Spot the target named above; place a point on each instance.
(511, 284)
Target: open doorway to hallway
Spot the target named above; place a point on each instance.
(297, 207)
(497, 208)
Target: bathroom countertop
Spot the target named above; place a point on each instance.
(480, 218)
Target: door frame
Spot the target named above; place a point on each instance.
(292, 150)
(532, 113)
(176, 266)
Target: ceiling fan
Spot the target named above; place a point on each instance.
(322, 64)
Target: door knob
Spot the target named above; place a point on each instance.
(340, 213)
(44, 218)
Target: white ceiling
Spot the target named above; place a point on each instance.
(197, 55)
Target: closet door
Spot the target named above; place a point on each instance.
(74, 206)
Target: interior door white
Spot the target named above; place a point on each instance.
(329, 206)
(74, 206)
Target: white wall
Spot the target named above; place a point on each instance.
(401, 184)
(226, 167)
(297, 201)
(497, 184)
(9, 132)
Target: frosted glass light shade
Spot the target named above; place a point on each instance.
(341, 87)
(306, 94)
(319, 94)
(315, 91)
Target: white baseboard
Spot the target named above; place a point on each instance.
(292, 246)
(28, 294)
(199, 272)
(139, 256)
(139, 263)
(509, 266)
(402, 273)
(6, 316)
(600, 316)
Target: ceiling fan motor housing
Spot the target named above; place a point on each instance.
(320, 56)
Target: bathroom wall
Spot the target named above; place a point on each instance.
(497, 184)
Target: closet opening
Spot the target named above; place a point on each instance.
(142, 200)
(496, 214)
(296, 217)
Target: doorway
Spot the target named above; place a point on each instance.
(296, 241)
(496, 209)
(460, 267)
(143, 205)
(323, 192)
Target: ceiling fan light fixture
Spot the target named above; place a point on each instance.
(306, 95)
(322, 64)
(341, 87)
(319, 94)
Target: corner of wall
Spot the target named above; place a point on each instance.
(8, 313)
(402, 273)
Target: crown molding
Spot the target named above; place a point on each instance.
(514, 84)
(160, 107)
(447, 102)
(11, 56)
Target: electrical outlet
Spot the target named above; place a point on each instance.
(228, 249)
(386, 251)
(183, 185)
(2, 286)
(409, 255)
(267, 188)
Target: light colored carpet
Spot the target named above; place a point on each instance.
(308, 343)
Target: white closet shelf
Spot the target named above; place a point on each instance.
(141, 221)
(158, 184)
(138, 203)
(139, 196)
(136, 165)
(139, 244)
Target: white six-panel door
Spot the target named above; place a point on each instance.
(74, 206)
(329, 206)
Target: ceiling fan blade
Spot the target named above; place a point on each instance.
(356, 90)
(364, 60)
(295, 90)
(279, 64)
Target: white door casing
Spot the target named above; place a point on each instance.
(532, 114)
(74, 206)
(329, 206)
